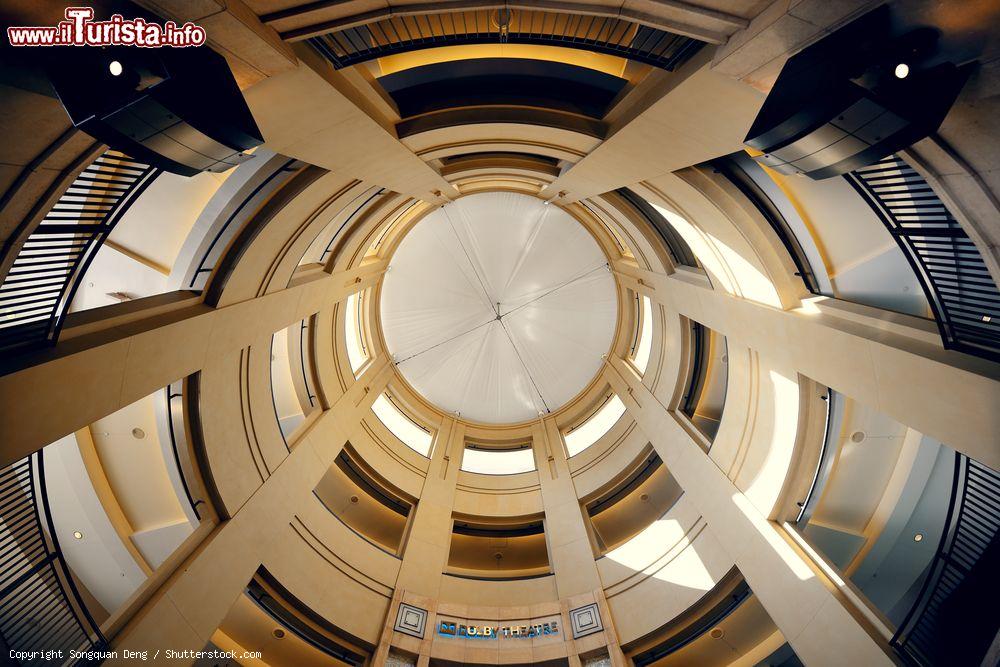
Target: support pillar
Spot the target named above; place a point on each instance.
(803, 603)
(191, 605)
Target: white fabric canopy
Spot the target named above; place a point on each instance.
(498, 307)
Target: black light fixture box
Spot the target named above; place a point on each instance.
(841, 103)
(178, 109)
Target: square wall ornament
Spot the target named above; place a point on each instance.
(585, 620)
(411, 620)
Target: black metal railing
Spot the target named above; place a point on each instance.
(710, 619)
(40, 606)
(175, 426)
(951, 621)
(304, 361)
(827, 455)
(301, 621)
(38, 289)
(697, 368)
(958, 285)
(336, 235)
(679, 250)
(732, 168)
(216, 249)
(604, 34)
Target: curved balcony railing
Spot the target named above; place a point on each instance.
(732, 170)
(40, 606)
(305, 361)
(953, 620)
(368, 196)
(958, 285)
(697, 369)
(679, 250)
(739, 592)
(827, 456)
(214, 250)
(603, 34)
(38, 289)
(265, 592)
(178, 439)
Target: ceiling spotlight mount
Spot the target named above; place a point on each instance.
(902, 71)
(115, 67)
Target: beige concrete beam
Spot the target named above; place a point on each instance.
(89, 377)
(859, 351)
(804, 605)
(43, 153)
(701, 116)
(254, 51)
(190, 606)
(756, 53)
(308, 113)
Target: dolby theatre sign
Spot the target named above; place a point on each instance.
(455, 629)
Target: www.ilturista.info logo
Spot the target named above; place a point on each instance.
(80, 29)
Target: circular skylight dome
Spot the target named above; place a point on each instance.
(498, 307)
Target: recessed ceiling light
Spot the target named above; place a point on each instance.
(278, 633)
(77, 534)
(918, 537)
(902, 71)
(115, 68)
(138, 433)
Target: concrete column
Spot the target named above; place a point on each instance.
(892, 362)
(381, 654)
(570, 551)
(189, 607)
(803, 603)
(91, 376)
(428, 541)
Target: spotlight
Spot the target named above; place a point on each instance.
(918, 537)
(115, 68)
(77, 534)
(902, 71)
